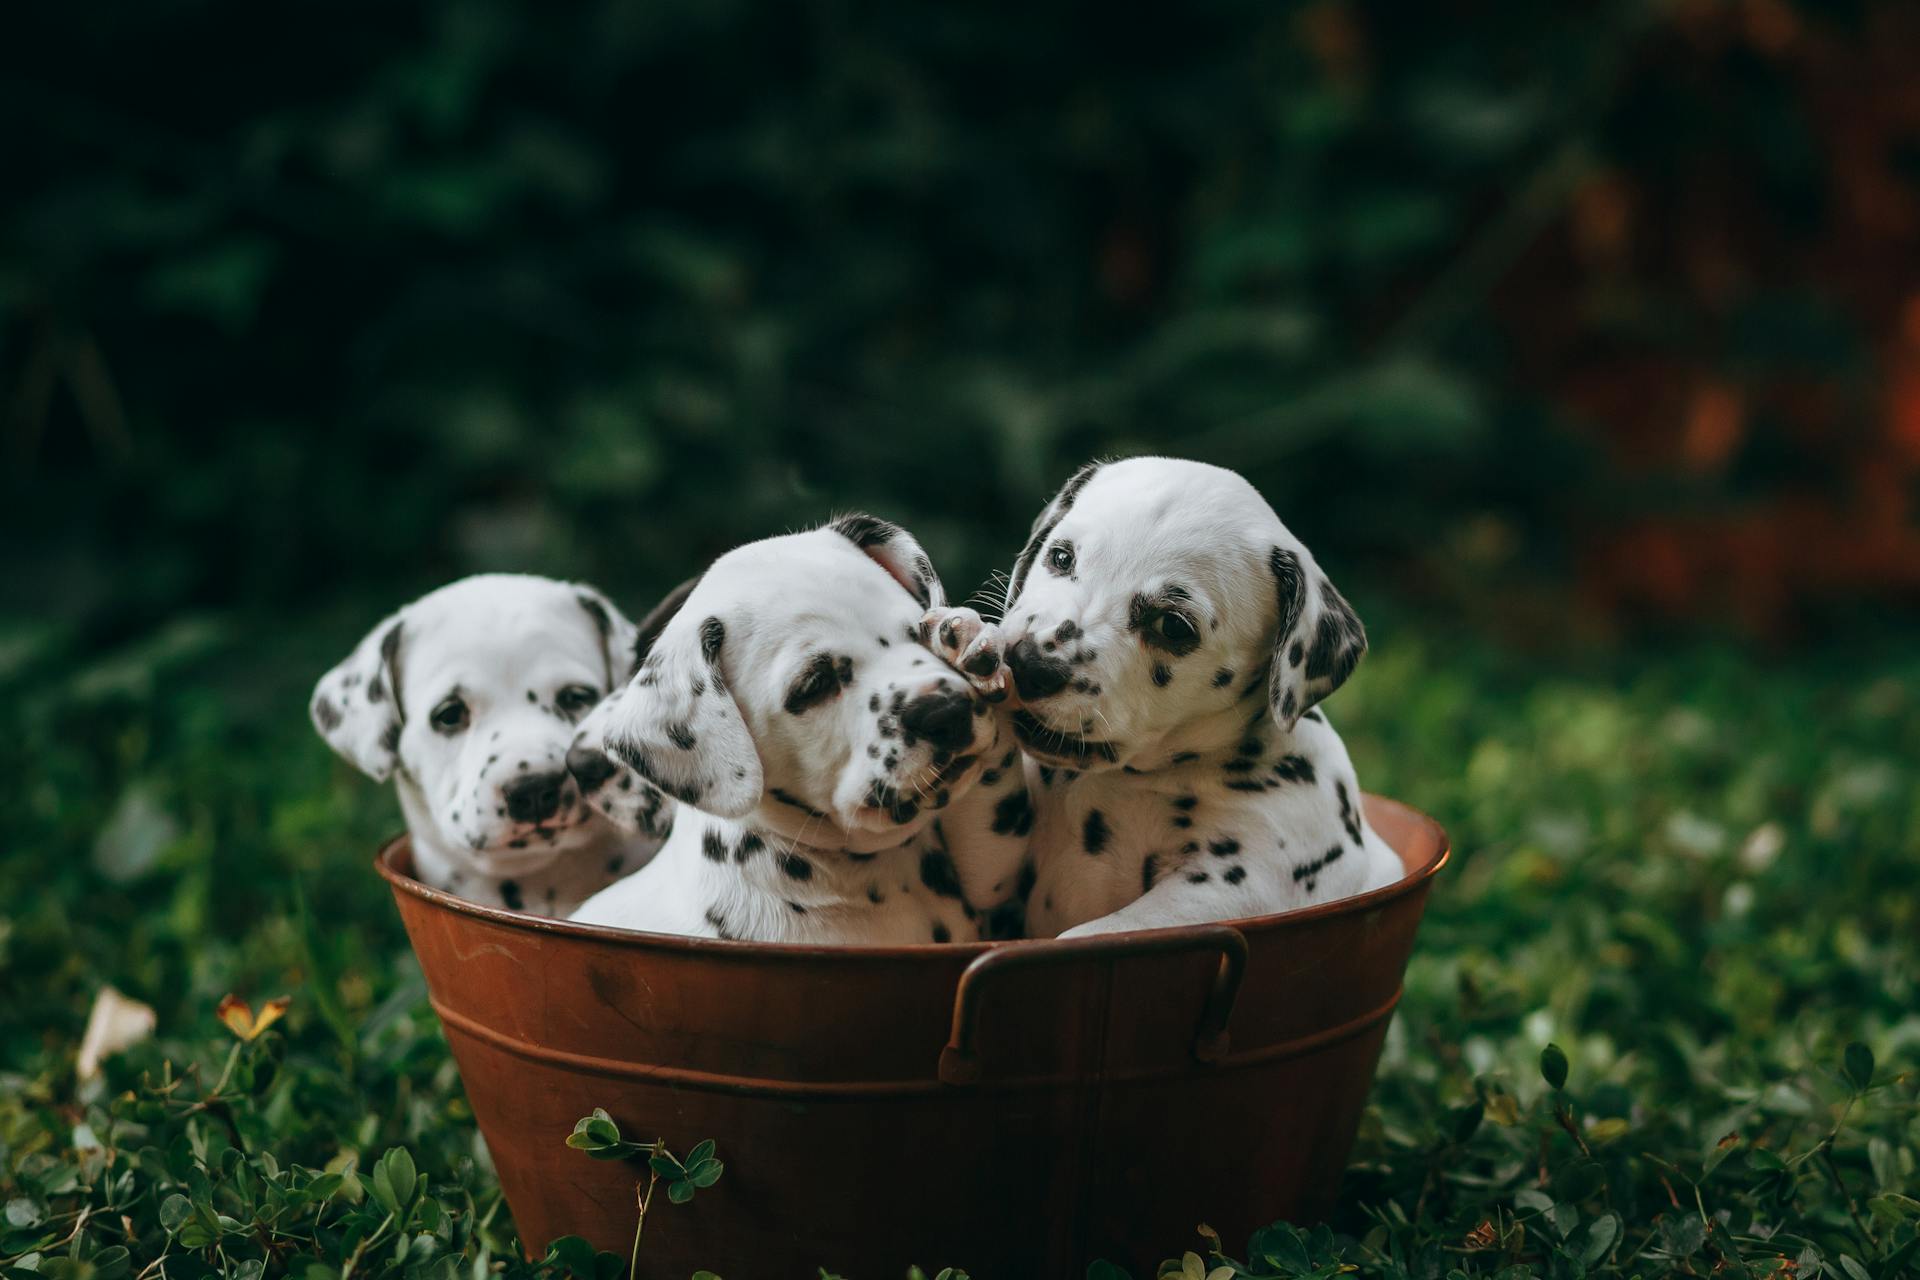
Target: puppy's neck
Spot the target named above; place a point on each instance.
(1211, 739)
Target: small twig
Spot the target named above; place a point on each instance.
(1825, 1153)
(642, 1198)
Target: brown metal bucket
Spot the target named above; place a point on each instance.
(1016, 1109)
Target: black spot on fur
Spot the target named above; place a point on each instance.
(680, 734)
(326, 713)
(1348, 818)
(721, 928)
(712, 846)
(1338, 641)
(713, 634)
(1225, 847)
(1149, 869)
(940, 933)
(864, 530)
(1291, 584)
(795, 907)
(1295, 653)
(1162, 674)
(938, 873)
(1287, 704)
(510, 894)
(1293, 769)
(1198, 877)
(1235, 874)
(1013, 816)
(1094, 833)
(1223, 677)
(1310, 871)
(795, 867)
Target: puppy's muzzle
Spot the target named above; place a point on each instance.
(1036, 674)
(590, 767)
(943, 717)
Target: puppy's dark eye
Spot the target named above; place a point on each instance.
(576, 699)
(818, 681)
(1173, 631)
(450, 717)
(1174, 628)
(1060, 558)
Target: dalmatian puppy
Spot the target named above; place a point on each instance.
(1168, 640)
(838, 782)
(469, 698)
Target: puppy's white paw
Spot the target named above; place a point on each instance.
(970, 645)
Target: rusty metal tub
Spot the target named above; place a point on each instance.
(1014, 1109)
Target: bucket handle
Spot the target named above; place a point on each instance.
(959, 1064)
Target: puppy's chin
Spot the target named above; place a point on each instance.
(511, 851)
(895, 813)
(1061, 749)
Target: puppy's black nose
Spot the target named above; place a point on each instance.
(535, 797)
(589, 766)
(1035, 674)
(943, 717)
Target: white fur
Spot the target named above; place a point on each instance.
(827, 820)
(527, 657)
(1220, 791)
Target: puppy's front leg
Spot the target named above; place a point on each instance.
(970, 645)
(987, 828)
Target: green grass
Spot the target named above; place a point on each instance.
(1693, 872)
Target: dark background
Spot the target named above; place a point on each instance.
(1581, 342)
(1553, 318)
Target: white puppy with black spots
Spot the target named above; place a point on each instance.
(1168, 640)
(839, 783)
(469, 698)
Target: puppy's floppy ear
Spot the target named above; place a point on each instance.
(896, 551)
(1054, 512)
(647, 633)
(676, 723)
(1318, 640)
(616, 633)
(356, 706)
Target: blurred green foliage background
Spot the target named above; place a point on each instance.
(319, 303)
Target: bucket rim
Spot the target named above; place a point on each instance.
(1414, 882)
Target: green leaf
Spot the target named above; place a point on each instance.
(679, 1192)
(1601, 1233)
(1853, 1268)
(701, 1153)
(705, 1174)
(1858, 1061)
(1553, 1066)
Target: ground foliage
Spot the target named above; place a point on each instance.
(1661, 1019)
